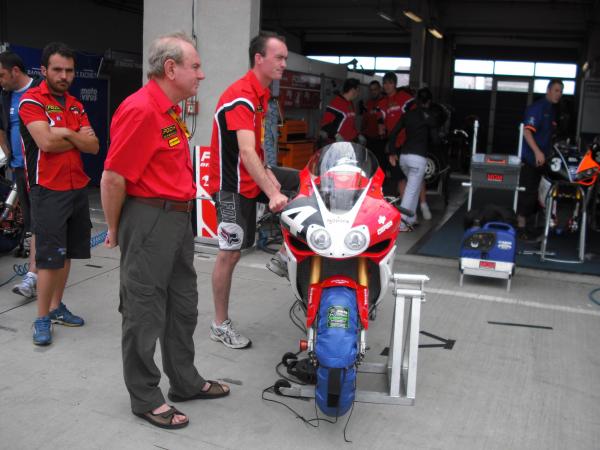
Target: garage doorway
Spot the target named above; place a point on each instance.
(510, 96)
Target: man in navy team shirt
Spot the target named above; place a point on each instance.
(540, 123)
(14, 82)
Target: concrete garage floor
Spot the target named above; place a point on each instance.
(500, 387)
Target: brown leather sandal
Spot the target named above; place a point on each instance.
(215, 390)
(164, 419)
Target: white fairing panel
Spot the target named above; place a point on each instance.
(385, 273)
(338, 226)
(292, 267)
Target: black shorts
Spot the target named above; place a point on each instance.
(236, 214)
(61, 224)
(529, 178)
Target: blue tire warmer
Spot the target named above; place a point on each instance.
(336, 349)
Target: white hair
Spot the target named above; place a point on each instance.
(165, 47)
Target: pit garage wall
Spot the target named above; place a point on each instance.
(223, 29)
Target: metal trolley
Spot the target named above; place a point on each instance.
(492, 171)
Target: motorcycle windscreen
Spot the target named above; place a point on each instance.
(341, 172)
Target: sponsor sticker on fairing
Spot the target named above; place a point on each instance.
(382, 229)
(338, 317)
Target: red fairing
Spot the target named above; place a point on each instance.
(382, 218)
(305, 184)
(362, 301)
(314, 298)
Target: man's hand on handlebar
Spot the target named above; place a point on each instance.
(277, 202)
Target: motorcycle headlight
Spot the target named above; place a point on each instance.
(320, 239)
(355, 240)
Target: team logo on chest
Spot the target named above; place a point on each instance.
(170, 133)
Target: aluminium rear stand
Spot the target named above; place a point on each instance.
(493, 171)
(553, 195)
(400, 369)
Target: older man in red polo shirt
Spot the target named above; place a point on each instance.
(55, 130)
(147, 194)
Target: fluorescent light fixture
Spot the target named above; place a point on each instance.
(435, 33)
(412, 16)
(585, 67)
(385, 16)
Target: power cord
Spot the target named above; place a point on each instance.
(297, 321)
(315, 421)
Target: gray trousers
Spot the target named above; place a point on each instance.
(158, 300)
(413, 167)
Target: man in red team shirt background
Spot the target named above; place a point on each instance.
(339, 120)
(238, 177)
(370, 125)
(392, 106)
(147, 192)
(55, 130)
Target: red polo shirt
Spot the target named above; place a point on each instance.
(242, 106)
(391, 108)
(369, 119)
(339, 118)
(149, 148)
(57, 171)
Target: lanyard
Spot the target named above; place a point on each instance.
(179, 122)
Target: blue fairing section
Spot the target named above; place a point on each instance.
(336, 349)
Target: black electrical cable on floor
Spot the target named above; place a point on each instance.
(296, 413)
(315, 421)
(295, 319)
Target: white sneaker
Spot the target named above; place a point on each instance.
(27, 286)
(228, 335)
(426, 211)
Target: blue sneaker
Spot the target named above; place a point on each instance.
(63, 316)
(42, 331)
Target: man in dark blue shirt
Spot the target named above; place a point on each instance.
(14, 82)
(540, 123)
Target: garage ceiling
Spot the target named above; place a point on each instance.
(494, 28)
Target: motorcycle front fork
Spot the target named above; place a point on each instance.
(315, 277)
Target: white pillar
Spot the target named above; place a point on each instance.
(223, 29)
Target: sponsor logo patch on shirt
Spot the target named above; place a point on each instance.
(174, 141)
(53, 108)
(169, 132)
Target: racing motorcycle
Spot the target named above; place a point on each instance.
(567, 186)
(567, 174)
(11, 217)
(340, 236)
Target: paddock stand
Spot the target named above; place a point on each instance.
(400, 370)
(582, 197)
